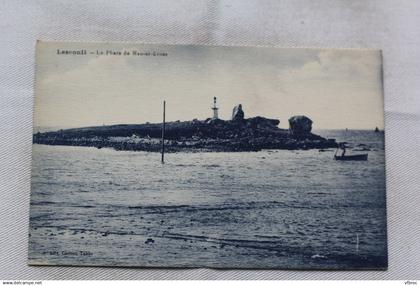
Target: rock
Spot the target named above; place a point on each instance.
(149, 240)
(261, 121)
(238, 113)
(300, 125)
(214, 121)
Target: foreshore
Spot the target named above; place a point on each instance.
(207, 145)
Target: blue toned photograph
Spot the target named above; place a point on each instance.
(184, 156)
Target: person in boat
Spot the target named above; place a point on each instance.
(343, 148)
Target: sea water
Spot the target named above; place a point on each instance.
(267, 209)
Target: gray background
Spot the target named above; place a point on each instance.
(390, 25)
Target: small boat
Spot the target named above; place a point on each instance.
(359, 157)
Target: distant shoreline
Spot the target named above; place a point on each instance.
(42, 129)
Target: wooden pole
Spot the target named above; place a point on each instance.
(163, 133)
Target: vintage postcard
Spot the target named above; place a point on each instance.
(202, 156)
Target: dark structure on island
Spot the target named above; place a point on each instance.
(212, 134)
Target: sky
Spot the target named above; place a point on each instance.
(337, 89)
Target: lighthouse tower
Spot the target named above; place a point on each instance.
(215, 109)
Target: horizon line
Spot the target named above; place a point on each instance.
(114, 124)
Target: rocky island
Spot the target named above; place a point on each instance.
(212, 134)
